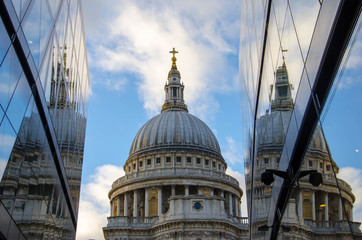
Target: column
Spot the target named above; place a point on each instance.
(135, 200)
(340, 208)
(240, 213)
(300, 204)
(111, 208)
(146, 202)
(173, 191)
(125, 203)
(159, 201)
(351, 215)
(221, 193)
(199, 190)
(119, 205)
(236, 207)
(212, 191)
(313, 206)
(326, 218)
(231, 204)
(186, 190)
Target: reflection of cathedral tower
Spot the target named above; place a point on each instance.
(69, 123)
(175, 185)
(29, 188)
(312, 212)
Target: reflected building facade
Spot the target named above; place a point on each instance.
(311, 209)
(45, 88)
(290, 53)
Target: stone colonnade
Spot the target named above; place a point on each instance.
(153, 201)
(322, 207)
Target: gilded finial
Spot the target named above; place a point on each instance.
(283, 51)
(173, 59)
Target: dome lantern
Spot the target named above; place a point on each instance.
(283, 97)
(174, 89)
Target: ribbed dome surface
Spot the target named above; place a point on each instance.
(272, 128)
(175, 130)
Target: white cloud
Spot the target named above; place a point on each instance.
(137, 35)
(232, 151)
(3, 163)
(94, 202)
(241, 178)
(353, 176)
(355, 59)
(349, 82)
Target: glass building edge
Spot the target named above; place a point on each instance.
(245, 76)
(30, 69)
(41, 104)
(322, 83)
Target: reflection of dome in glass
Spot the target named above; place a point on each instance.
(272, 129)
(175, 130)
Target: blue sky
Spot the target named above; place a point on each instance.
(128, 44)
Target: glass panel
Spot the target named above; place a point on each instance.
(7, 139)
(54, 6)
(61, 23)
(291, 52)
(19, 103)
(10, 72)
(304, 25)
(36, 27)
(4, 42)
(320, 37)
(46, 70)
(302, 99)
(20, 7)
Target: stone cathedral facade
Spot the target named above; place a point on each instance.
(175, 185)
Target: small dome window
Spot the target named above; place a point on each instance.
(174, 79)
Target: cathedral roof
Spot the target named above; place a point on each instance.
(272, 127)
(175, 130)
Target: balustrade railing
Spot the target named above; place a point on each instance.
(341, 183)
(333, 225)
(242, 220)
(120, 221)
(164, 172)
(130, 221)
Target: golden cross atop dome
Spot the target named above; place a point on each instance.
(173, 52)
(173, 59)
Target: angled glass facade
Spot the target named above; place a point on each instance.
(290, 55)
(44, 90)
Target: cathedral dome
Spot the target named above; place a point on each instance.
(272, 129)
(175, 130)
